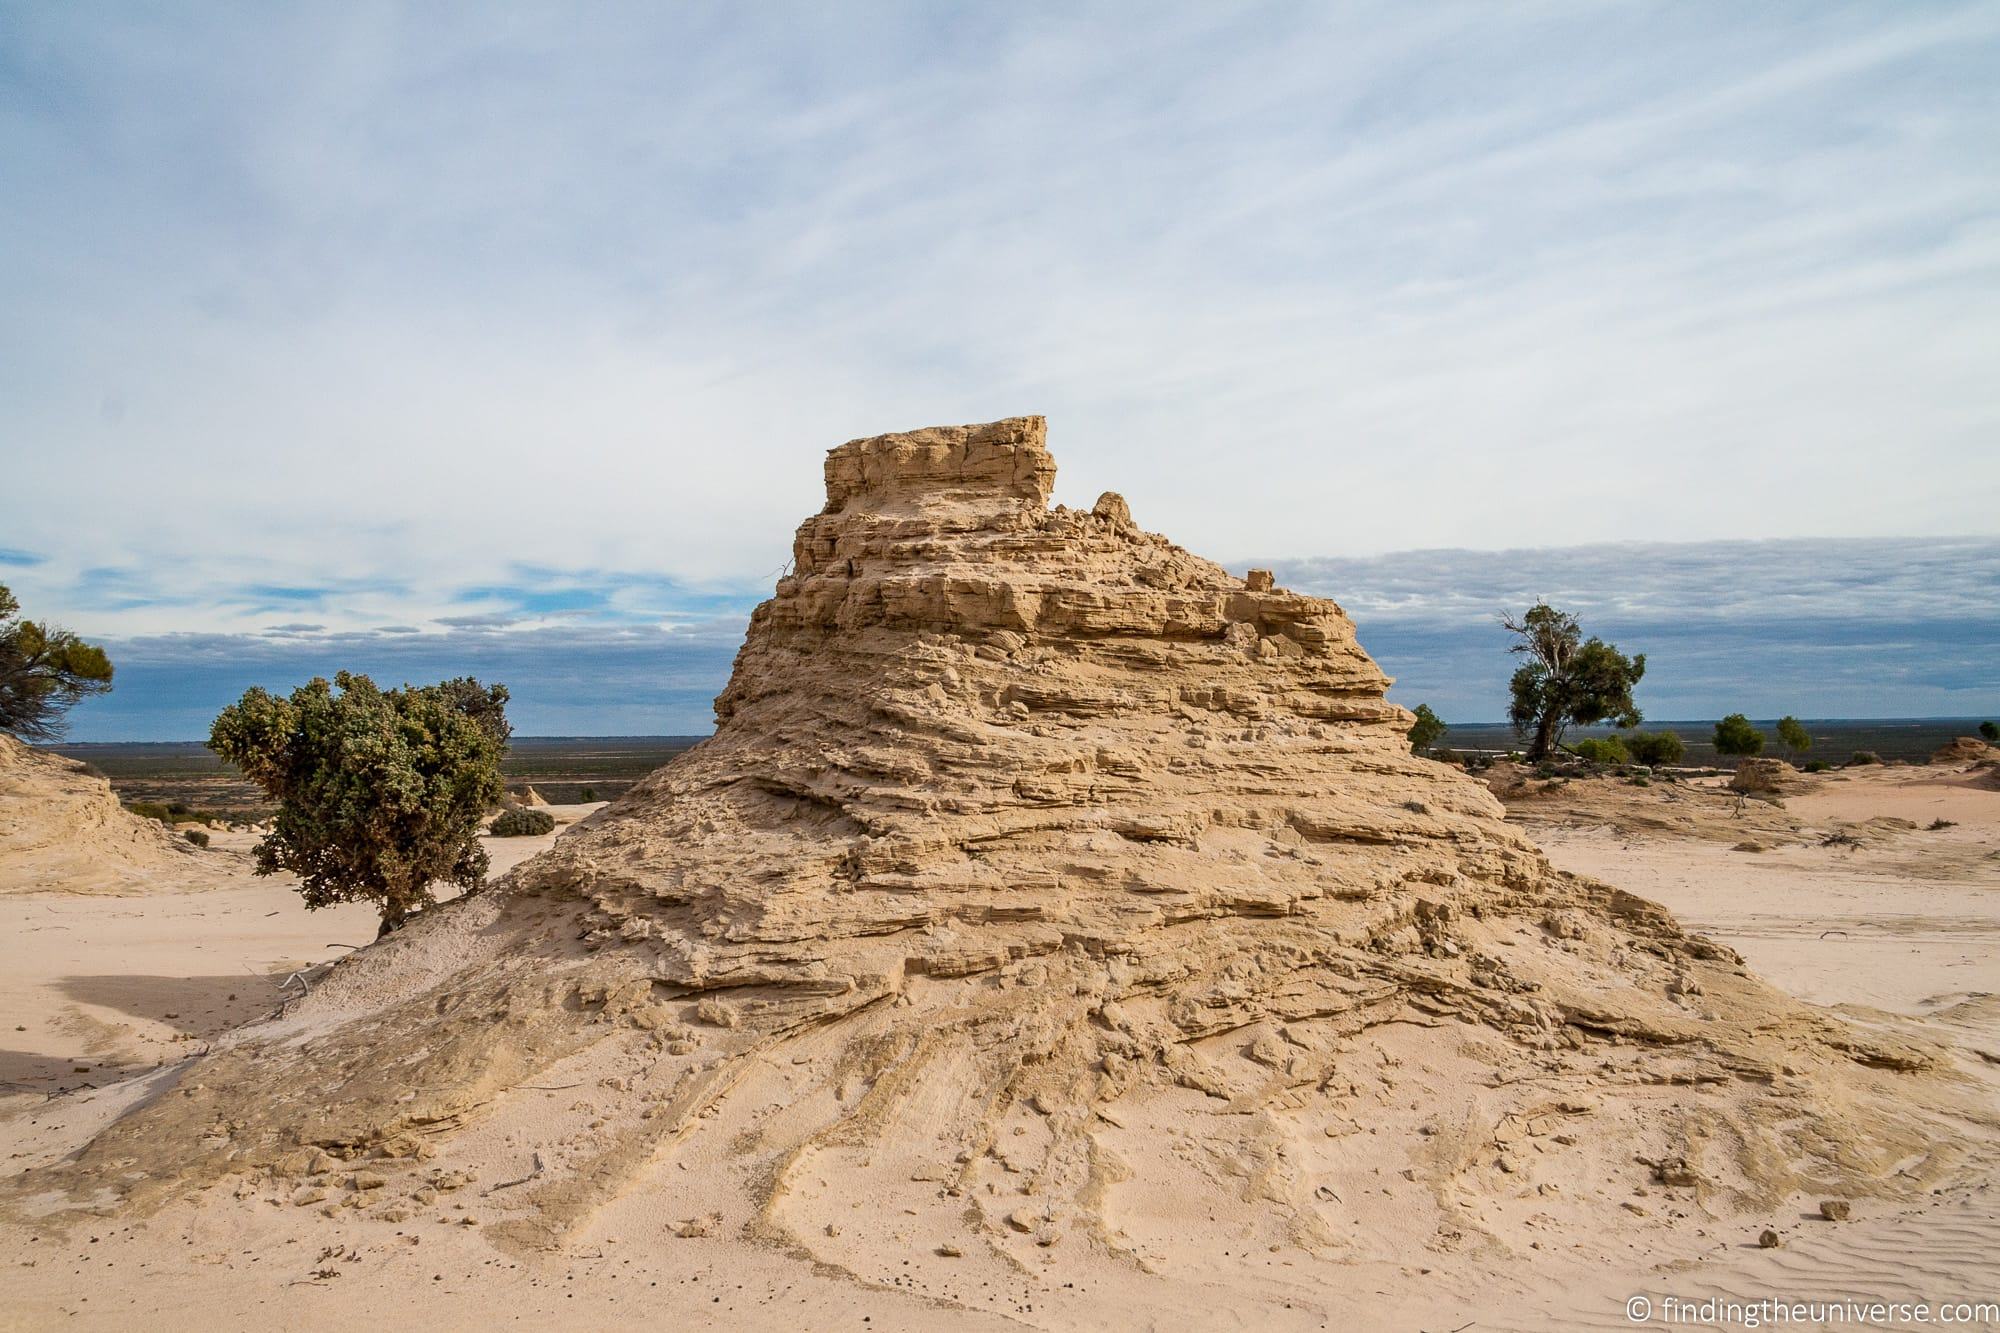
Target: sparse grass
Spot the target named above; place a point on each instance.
(1937, 825)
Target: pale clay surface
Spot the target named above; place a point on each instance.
(1056, 932)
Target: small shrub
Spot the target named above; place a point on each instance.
(151, 810)
(1641, 780)
(1817, 766)
(1654, 748)
(1862, 757)
(587, 795)
(516, 822)
(1426, 730)
(196, 836)
(1735, 735)
(1608, 750)
(1840, 840)
(1939, 825)
(380, 793)
(1990, 731)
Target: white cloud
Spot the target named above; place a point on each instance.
(392, 301)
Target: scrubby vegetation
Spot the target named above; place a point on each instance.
(1862, 757)
(1990, 732)
(196, 836)
(1735, 736)
(1655, 748)
(1425, 732)
(1793, 734)
(517, 822)
(380, 792)
(1606, 750)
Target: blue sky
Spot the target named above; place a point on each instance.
(440, 338)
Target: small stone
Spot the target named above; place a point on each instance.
(1768, 1240)
(369, 1180)
(950, 1251)
(1834, 1210)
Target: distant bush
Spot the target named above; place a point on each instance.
(1607, 750)
(1426, 730)
(1817, 766)
(1793, 733)
(196, 836)
(1862, 757)
(151, 810)
(516, 822)
(587, 795)
(1735, 735)
(1641, 780)
(1655, 748)
(1990, 731)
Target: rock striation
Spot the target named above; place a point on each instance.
(1041, 882)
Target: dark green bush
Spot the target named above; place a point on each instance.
(1605, 750)
(1990, 731)
(1862, 757)
(151, 810)
(1817, 766)
(1735, 735)
(1655, 748)
(380, 792)
(588, 795)
(196, 836)
(516, 822)
(1426, 731)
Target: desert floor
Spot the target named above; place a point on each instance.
(102, 995)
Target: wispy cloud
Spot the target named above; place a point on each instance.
(384, 319)
(1819, 628)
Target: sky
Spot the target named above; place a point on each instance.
(434, 339)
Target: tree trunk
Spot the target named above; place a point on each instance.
(1545, 734)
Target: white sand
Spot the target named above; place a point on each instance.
(1907, 926)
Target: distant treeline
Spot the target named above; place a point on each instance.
(1911, 739)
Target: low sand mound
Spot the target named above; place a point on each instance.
(63, 831)
(1047, 900)
(1964, 750)
(1767, 779)
(1677, 809)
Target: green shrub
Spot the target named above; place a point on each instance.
(588, 795)
(380, 792)
(516, 822)
(1990, 731)
(196, 836)
(1735, 735)
(1862, 757)
(1817, 766)
(1426, 730)
(1655, 748)
(151, 810)
(1605, 750)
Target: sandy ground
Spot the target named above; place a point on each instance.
(103, 995)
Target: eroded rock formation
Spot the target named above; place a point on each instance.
(63, 830)
(1040, 878)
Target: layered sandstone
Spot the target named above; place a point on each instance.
(1041, 882)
